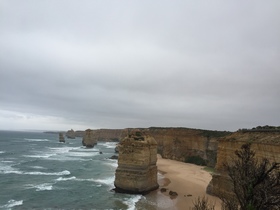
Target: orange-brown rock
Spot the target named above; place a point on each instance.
(187, 145)
(137, 170)
(264, 144)
(109, 134)
(88, 139)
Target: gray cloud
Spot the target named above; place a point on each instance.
(117, 64)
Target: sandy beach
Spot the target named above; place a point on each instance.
(189, 181)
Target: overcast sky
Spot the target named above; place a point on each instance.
(115, 64)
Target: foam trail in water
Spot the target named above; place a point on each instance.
(113, 163)
(111, 145)
(109, 181)
(36, 139)
(12, 203)
(65, 172)
(41, 187)
(65, 179)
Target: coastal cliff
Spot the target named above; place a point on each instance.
(183, 144)
(100, 134)
(109, 134)
(264, 144)
(188, 145)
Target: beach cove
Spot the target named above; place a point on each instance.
(189, 181)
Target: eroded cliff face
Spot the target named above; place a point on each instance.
(109, 134)
(182, 144)
(264, 144)
(187, 145)
(137, 170)
(100, 134)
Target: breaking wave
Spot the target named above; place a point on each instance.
(12, 203)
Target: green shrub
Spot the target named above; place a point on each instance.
(196, 160)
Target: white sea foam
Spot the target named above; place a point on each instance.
(82, 154)
(1, 152)
(12, 203)
(71, 153)
(112, 163)
(7, 161)
(13, 171)
(111, 145)
(40, 187)
(66, 179)
(107, 181)
(36, 139)
(132, 201)
(59, 150)
(39, 156)
(65, 172)
(84, 149)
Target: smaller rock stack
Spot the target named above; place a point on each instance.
(137, 170)
(88, 139)
(61, 138)
(70, 134)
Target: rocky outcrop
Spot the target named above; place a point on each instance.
(61, 138)
(70, 134)
(264, 144)
(88, 139)
(137, 170)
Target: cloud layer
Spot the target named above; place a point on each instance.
(116, 64)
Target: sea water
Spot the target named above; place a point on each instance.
(38, 172)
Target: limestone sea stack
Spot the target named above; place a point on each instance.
(88, 139)
(61, 138)
(70, 134)
(137, 171)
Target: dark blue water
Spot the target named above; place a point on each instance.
(38, 172)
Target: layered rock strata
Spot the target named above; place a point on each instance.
(188, 145)
(88, 139)
(137, 170)
(264, 144)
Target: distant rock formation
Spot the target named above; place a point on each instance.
(264, 144)
(61, 138)
(88, 139)
(137, 170)
(70, 134)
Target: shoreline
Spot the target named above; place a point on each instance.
(189, 181)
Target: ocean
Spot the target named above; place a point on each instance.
(38, 172)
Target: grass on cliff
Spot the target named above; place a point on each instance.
(210, 170)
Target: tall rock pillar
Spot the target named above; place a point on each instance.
(88, 139)
(137, 170)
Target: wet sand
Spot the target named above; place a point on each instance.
(189, 181)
